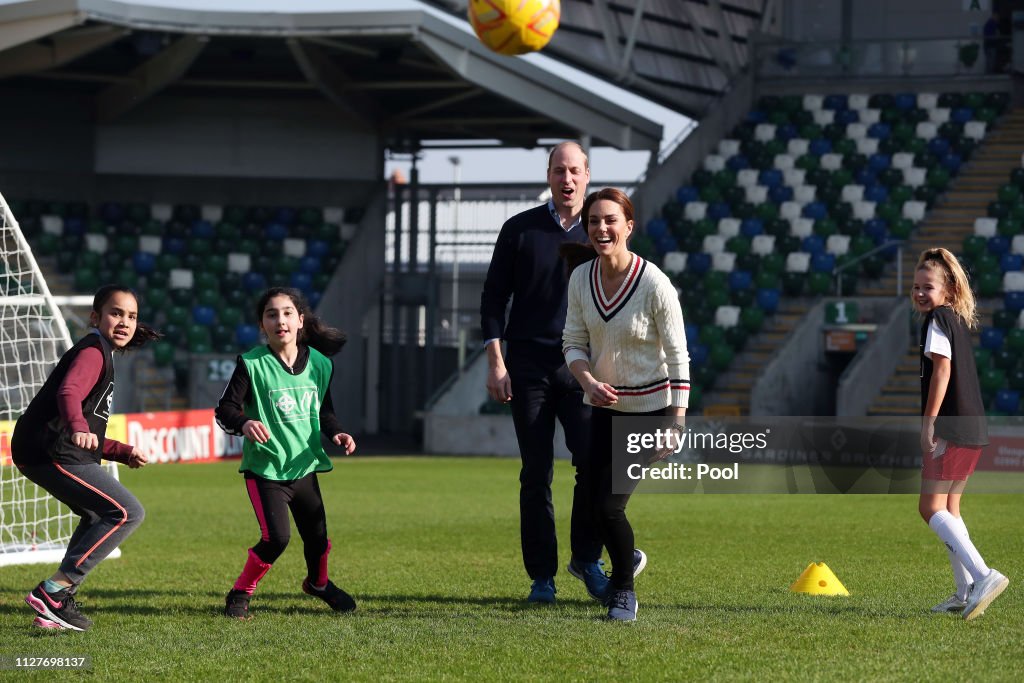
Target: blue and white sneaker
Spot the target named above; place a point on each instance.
(622, 606)
(983, 593)
(592, 576)
(639, 561)
(542, 591)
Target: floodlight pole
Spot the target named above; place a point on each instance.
(457, 195)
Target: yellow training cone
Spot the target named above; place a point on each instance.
(818, 579)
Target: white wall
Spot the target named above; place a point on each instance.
(235, 137)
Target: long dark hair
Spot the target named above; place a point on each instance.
(314, 333)
(143, 332)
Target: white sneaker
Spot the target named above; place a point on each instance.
(983, 593)
(952, 604)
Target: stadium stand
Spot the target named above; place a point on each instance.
(806, 198)
(199, 267)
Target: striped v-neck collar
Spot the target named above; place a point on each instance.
(608, 307)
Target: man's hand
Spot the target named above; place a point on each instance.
(499, 384)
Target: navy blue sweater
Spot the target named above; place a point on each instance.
(526, 267)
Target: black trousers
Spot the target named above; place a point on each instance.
(271, 501)
(544, 390)
(609, 509)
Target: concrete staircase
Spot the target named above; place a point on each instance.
(731, 393)
(966, 199)
(947, 226)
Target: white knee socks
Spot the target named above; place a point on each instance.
(953, 533)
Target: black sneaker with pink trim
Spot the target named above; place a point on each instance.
(337, 599)
(59, 608)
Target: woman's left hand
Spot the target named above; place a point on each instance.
(601, 394)
(346, 442)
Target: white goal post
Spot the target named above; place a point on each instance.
(34, 527)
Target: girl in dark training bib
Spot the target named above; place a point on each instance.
(953, 430)
(58, 444)
(279, 399)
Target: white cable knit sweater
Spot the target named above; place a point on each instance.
(633, 339)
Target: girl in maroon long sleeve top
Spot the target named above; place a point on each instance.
(58, 443)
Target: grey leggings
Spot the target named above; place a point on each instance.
(109, 511)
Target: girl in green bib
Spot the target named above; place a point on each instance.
(279, 399)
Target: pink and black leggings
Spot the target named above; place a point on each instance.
(109, 511)
(271, 501)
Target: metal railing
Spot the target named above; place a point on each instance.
(838, 270)
(931, 57)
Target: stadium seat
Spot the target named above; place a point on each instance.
(1007, 401)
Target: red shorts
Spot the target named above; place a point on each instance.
(950, 462)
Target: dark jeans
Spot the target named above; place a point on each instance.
(271, 501)
(109, 512)
(609, 509)
(544, 390)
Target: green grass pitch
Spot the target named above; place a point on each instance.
(429, 547)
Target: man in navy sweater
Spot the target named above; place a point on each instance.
(526, 268)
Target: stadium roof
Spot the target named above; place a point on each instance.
(396, 66)
(680, 53)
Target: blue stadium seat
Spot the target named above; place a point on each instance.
(1013, 302)
(823, 262)
(876, 229)
(865, 177)
(786, 132)
(951, 162)
(687, 194)
(737, 162)
(254, 282)
(751, 227)
(204, 315)
(247, 335)
(813, 244)
(286, 215)
(905, 101)
(656, 227)
(780, 193)
(1010, 262)
(756, 116)
(991, 338)
(275, 232)
(876, 193)
(317, 248)
(998, 245)
(845, 117)
(961, 115)
(880, 131)
(314, 299)
(699, 262)
(143, 262)
(770, 177)
(719, 210)
(815, 210)
(767, 300)
(173, 245)
(819, 146)
(698, 353)
(835, 101)
(879, 162)
(203, 229)
(301, 281)
(692, 333)
(939, 147)
(739, 280)
(1008, 401)
(311, 264)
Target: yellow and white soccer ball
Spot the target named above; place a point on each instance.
(514, 27)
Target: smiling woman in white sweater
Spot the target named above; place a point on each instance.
(625, 344)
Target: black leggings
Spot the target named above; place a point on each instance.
(271, 501)
(609, 508)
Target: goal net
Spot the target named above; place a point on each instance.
(34, 527)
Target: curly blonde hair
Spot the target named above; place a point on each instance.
(958, 286)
